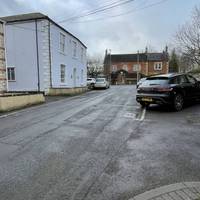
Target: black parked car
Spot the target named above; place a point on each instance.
(170, 89)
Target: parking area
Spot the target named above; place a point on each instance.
(100, 145)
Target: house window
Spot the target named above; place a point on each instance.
(125, 67)
(62, 73)
(158, 66)
(114, 68)
(74, 48)
(82, 53)
(62, 43)
(82, 76)
(11, 73)
(136, 67)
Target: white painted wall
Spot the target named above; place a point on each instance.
(21, 54)
(67, 59)
(44, 56)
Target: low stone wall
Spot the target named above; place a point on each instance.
(66, 91)
(8, 103)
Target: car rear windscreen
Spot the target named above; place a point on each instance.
(100, 80)
(156, 81)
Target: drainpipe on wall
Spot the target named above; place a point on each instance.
(37, 53)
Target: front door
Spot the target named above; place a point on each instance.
(74, 77)
(121, 79)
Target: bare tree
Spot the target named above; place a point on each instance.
(94, 65)
(188, 38)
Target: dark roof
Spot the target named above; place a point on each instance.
(34, 16)
(143, 57)
(127, 57)
(156, 56)
(24, 17)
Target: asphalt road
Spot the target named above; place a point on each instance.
(98, 146)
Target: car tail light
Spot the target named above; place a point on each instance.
(164, 89)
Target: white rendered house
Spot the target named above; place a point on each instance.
(42, 56)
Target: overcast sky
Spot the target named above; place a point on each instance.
(139, 25)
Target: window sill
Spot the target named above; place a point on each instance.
(11, 80)
(63, 53)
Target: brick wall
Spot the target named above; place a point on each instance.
(152, 71)
(2, 61)
(147, 68)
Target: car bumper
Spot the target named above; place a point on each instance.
(154, 98)
(100, 85)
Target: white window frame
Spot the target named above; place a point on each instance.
(136, 67)
(82, 76)
(74, 49)
(11, 67)
(62, 79)
(158, 66)
(62, 42)
(114, 68)
(125, 67)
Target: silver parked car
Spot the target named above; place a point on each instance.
(102, 83)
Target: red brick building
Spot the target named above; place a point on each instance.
(122, 68)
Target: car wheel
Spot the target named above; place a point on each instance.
(178, 102)
(92, 85)
(144, 104)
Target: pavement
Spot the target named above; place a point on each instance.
(178, 191)
(97, 146)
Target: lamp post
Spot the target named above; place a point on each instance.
(110, 65)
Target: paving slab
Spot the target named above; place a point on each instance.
(178, 191)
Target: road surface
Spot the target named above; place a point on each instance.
(97, 146)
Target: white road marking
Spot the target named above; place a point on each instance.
(7, 115)
(137, 117)
(130, 115)
(143, 114)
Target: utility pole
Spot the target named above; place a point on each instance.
(110, 66)
(138, 61)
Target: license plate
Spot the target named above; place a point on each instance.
(147, 99)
